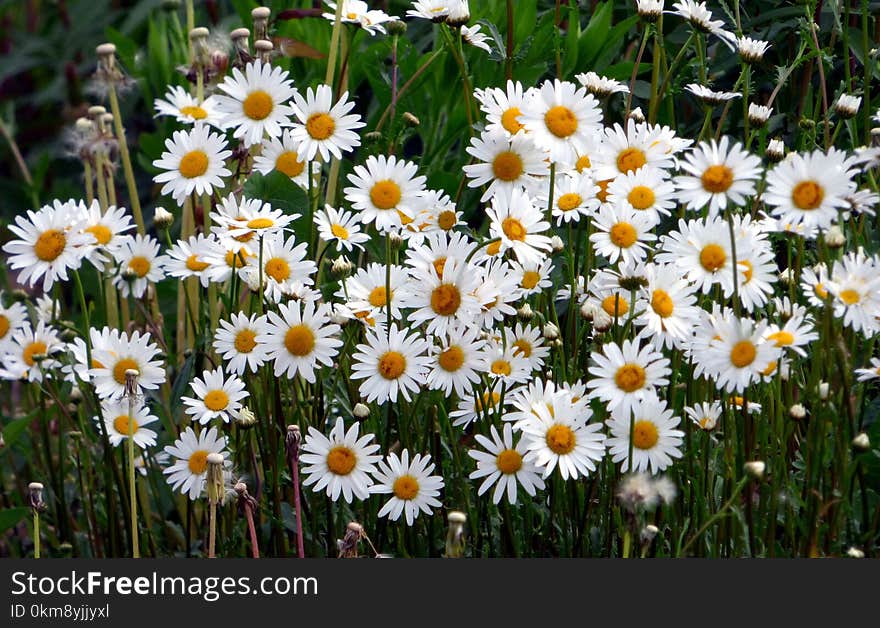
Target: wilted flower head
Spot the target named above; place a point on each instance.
(601, 86)
(847, 106)
(751, 50)
(649, 10)
(709, 96)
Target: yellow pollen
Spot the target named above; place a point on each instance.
(501, 367)
(245, 341)
(446, 220)
(216, 400)
(193, 164)
(645, 435)
(288, 163)
(445, 299)
(320, 126)
(50, 245)
(570, 201)
(561, 121)
(509, 461)
(406, 487)
(631, 159)
(510, 120)
(507, 166)
(236, 260)
(35, 348)
(602, 194)
(514, 229)
(139, 265)
(299, 340)
(339, 231)
(630, 377)
(385, 194)
(451, 359)
(260, 223)
(341, 460)
(522, 347)
(712, 257)
(767, 372)
(530, 279)
(258, 105)
(120, 424)
(198, 462)
(615, 305)
(782, 338)
(662, 303)
(194, 111)
(392, 365)
(193, 264)
(439, 266)
(378, 296)
(278, 269)
(582, 163)
(123, 365)
(717, 179)
(560, 439)
(101, 233)
(623, 235)
(850, 296)
(641, 197)
(4, 326)
(743, 354)
(807, 195)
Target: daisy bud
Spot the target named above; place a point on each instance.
(847, 106)
(75, 435)
(373, 137)
(855, 552)
(214, 484)
(637, 115)
(260, 16)
(551, 331)
(759, 114)
(68, 334)
(35, 496)
(348, 546)
(751, 50)
(410, 120)
(602, 321)
(396, 28)
(775, 150)
(361, 410)
(797, 412)
(557, 244)
(341, 267)
(455, 534)
(246, 418)
(834, 237)
(649, 10)
(861, 442)
(649, 532)
(525, 313)
(163, 219)
(824, 389)
(755, 469)
(459, 13)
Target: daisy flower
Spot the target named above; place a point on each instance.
(472, 35)
(496, 293)
(139, 265)
(528, 342)
(187, 258)
(181, 105)
(533, 278)
(701, 18)
(299, 338)
(751, 50)
(445, 300)
(622, 234)
(623, 376)
(391, 365)
(503, 107)
(357, 12)
(574, 196)
(255, 103)
(563, 439)
(438, 248)
(50, 242)
(560, 118)
(190, 452)
(646, 190)
(519, 224)
(701, 250)
(650, 426)
(626, 150)
(797, 333)
(323, 127)
(503, 465)
(122, 353)
(475, 407)
(739, 355)
(412, 487)
(717, 173)
(855, 286)
(384, 190)
(284, 264)
(107, 229)
(671, 310)
(457, 362)
(871, 373)
(601, 86)
(283, 155)
(341, 228)
(366, 292)
(217, 396)
(118, 422)
(705, 415)
(26, 347)
(12, 319)
(341, 463)
(506, 364)
(504, 163)
(434, 10)
(710, 96)
(193, 163)
(757, 264)
(257, 218)
(237, 342)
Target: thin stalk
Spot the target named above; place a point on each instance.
(124, 156)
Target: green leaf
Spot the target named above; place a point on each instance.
(14, 429)
(282, 193)
(11, 517)
(572, 38)
(593, 38)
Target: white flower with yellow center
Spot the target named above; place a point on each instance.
(520, 225)
(366, 293)
(646, 190)
(237, 341)
(533, 278)
(457, 361)
(701, 18)
(78, 368)
(412, 487)
(391, 365)
(123, 353)
(601, 86)
(626, 150)
(193, 162)
(256, 100)
(504, 163)
(256, 219)
(506, 364)
(444, 300)
(339, 227)
(528, 342)
(284, 155)
(622, 234)
(50, 242)
(223, 262)
(503, 465)
(12, 319)
(188, 258)
(183, 107)
(809, 189)
(670, 307)
(118, 423)
(300, 339)
(560, 118)
(612, 300)
(438, 248)
(739, 355)
(472, 35)
(323, 127)
(341, 463)
(871, 372)
(217, 396)
(574, 196)
(757, 265)
(625, 375)
(139, 265)
(704, 415)
(563, 439)
(486, 404)
(284, 266)
(855, 286)
(504, 107)
(357, 12)
(189, 471)
(717, 173)
(650, 428)
(814, 284)
(385, 190)
(702, 250)
(29, 353)
(107, 230)
(798, 332)
(496, 293)
(434, 10)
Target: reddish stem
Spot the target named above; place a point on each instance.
(249, 515)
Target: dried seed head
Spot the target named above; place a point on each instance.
(264, 49)
(35, 496)
(260, 16)
(797, 412)
(198, 37)
(214, 484)
(455, 534)
(131, 385)
(861, 442)
(348, 546)
(755, 469)
(361, 410)
(246, 418)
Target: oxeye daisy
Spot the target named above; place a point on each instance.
(256, 100)
(222, 262)
(756, 261)
(503, 107)
(299, 338)
(78, 368)
(384, 190)
(341, 463)
(357, 12)
(506, 364)
(646, 190)
(472, 35)
(434, 10)
(106, 228)
(283, 155)
(120, 354)
(739, 355)
(183, 107)
(528, 342)
(718, 173)
(412, 487)
(560, 117)
(814, 283)
(139, 265)
(445, 300)
(257, 218)
(563, 439)
(480, 405)
(50, 242)
(12, 319)
(323, 127)
(650, 427)
(496, 293)
(118, 422)
(503, 465)
(797, 333)
(701, 18)
(366, 293)
(625, 375)
(705, 415)
(505, 163)
(520, 226)
(532, 278)
(855, 286)
(574, 196)
(671, 307)
(193, 163)
(457, 361)
(284, 264)
(601, 86)
(187, 258)
(30, 353)
(622, 234)
(610, 299)
(217, 396)
(438, 248)
(340, 228)
(702, 250)
(190, 452)
(237, 342)
(869, 373)
(391, 365)
(709, 96)
(626, 150)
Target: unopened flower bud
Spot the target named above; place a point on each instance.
(602, 321)
(834, 237)
(245, 418)
(372, 137)
(341, 267)
(525, 313)
(797, 412)
(824, 389)
(637, 115)
(755, 469)
(410, 120)
(162, 218)
(649, 532)
(557, 244)
(855, 552)
(395, 240)
(759, 114)
(775, 150)
(649, 10)
(396, 28)
(847, 106)
(361, 410)
(551, 331)
(861, 442)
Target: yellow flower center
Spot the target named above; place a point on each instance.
(582, 163)
(451, 359)
(194, 111)
(560, 439)
(216, 400)
(278, 269)
(245, 341)
(50, 245)
(385, 194)
(522, 347)
(258, 105)
(320, 126)
(820, 291)
(630, 377)
(193, 164)
(493, 248)
(602, 194)
(641, 197)
(615, 305)
(510, 120)
(445, 299)
(530, 279)
(299, 340)
(767, 372)
(392, 365)
(807, 195)
(101, 233)
(339, 231)
(712, 257)
(260, 223)
(4, 326)
(236, 260)
(439, 266)
(341, 460)
(501, 367)
(487, 400)
(569, 201)
(662, 303)
(623, 235)
(850, 296)
(193, 264)
(782, 338)
(289, 164)
(507, 166)
(121, 425)
(748, 270)
(446, 220)
(743, 353)
(406, 487)
(645, 434)
(509, 461)
(717, 179)
(121, 366)
(139, 265)
(630, 159)
(514, 229)
(378, 296)
(561, 121)
(35, 348)
(198, 462)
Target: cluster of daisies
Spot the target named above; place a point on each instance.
(678, 259)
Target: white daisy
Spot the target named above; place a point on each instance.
(560, 118)
(411, 485)
(563, 439)
(503, 107)
(182, 106)
(528, 342)
(193, 163)
(139, 265)
(323, 127)
(238, 342)
(341, 228)
(29, 353)
(190, 469)
(12, 319)
(717, 173)
(299, 338)
(702, 250)
(482, 405)
(217, 396)
(624, 376)
(533, 278)
(123, 353)
(285, 264)
(445, 300)
(622, 233)
(574, 196)
(650, 426)
(457, 361)
(284, 155)
(671, 307)
(187, 258)
(391, 365)
(107, 229)
(520, 226)
(341, 463)
(366, 293)
(504, 466)
(505, 163)
(705, 415)
(739, 355)
(384, 189)
(118, 422)
(645, 190)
